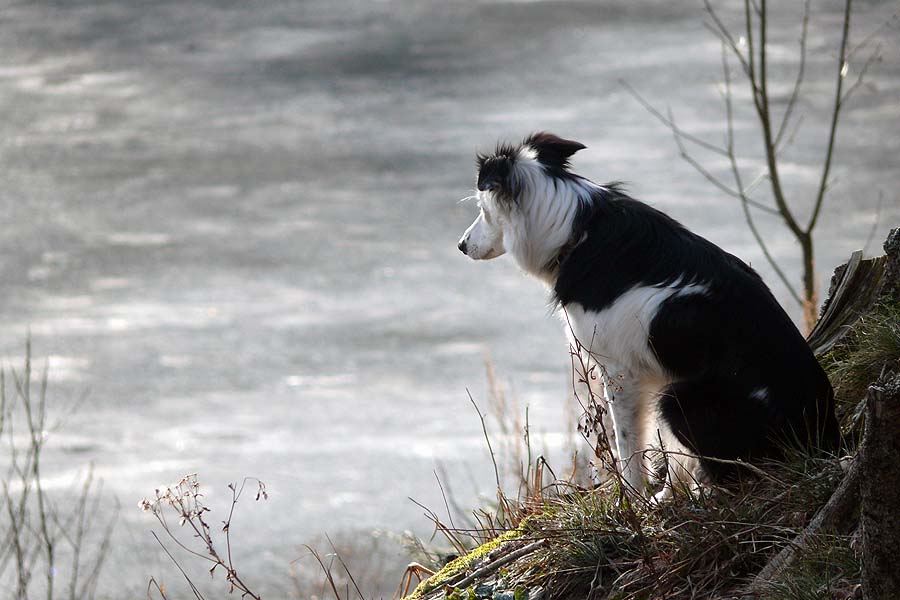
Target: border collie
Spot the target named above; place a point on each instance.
(693, 348)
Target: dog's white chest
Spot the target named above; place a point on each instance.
(618, 336)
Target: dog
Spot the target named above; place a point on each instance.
(693, 348)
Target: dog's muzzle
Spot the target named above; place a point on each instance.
(462, 246)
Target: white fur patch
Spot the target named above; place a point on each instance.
(544, 220)
(617, 336)
(760, 394)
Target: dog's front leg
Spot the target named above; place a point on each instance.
(626, 410)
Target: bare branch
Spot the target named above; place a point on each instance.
(190, 583)
(751, 69)
(488, 440)
(835, 114)
(762, 109)
(669, 123)
(736, 173)
(683, 153)
(756, 8)
(795, 92)
(866, 40)
(763, 175)
(759, 240)
(791, 137)
(680, 135)
(723, 33)
(875, 56)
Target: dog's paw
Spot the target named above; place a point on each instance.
(662, 496)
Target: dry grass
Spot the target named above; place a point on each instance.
(183, 502)
(373, 559)
(600, 544)
(350, 566)
(704, 547)
(48, 549)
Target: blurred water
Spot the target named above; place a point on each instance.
(235, 224)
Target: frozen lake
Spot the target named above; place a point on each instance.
(235, 224)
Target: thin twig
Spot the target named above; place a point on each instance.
(487, 438)
(723, 33)
(835, 114)
(190, 583)
(669, 122)
(680, 135)
(327, 570)
(764, 115)
(795, 92)
(346, 568)
(736, 173)
(860, 79)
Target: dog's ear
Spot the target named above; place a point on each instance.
(552, 150)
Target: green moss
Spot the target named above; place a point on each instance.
(463, 563)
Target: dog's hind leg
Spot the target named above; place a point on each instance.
(682, 468)
(712, 419)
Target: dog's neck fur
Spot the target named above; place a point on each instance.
(544, 231)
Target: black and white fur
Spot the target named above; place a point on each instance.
(695, 350)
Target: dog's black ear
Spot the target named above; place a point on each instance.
(552, 150)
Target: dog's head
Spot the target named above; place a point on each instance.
(509, 182)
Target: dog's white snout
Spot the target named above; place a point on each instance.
(482, 241)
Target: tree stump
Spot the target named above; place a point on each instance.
(880, 492)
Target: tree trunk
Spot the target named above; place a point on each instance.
(880, 492)
(810, 293)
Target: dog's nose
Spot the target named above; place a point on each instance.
(462, 246)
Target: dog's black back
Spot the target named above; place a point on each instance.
(745, 381)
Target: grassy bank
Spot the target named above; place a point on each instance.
(598, 544)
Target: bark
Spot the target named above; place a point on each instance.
(855, 287)
(880, 491)
(891, 284)
(810, 294)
